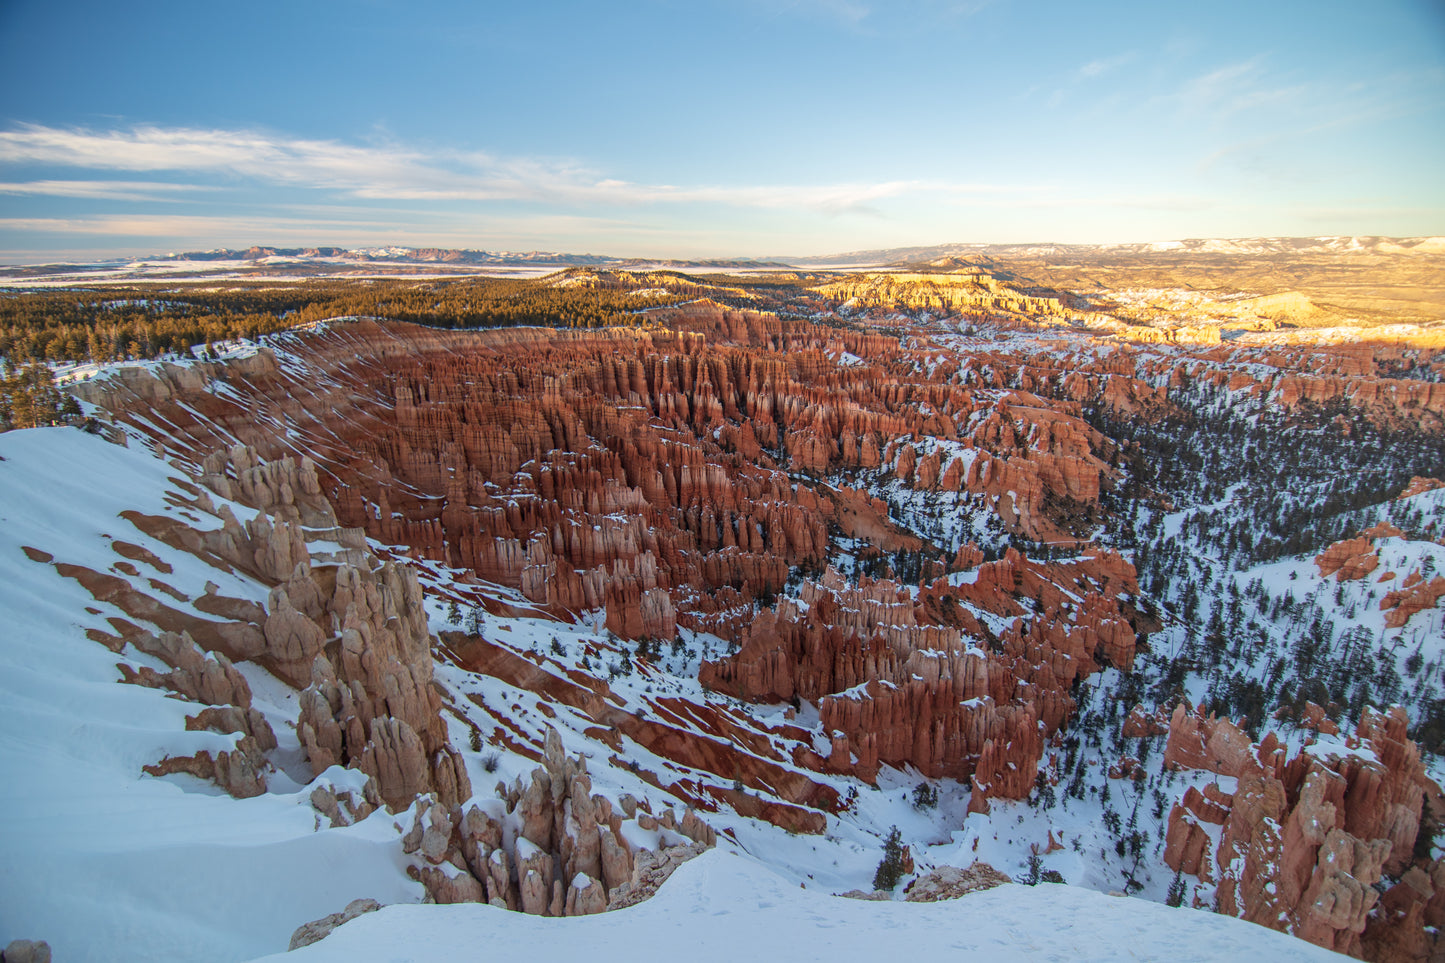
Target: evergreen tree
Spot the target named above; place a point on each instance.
(1177, 890)
(29, 398)
(890, 868)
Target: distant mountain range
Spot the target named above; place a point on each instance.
(1252, 247)
(1265, 246)
(263, 261)
(442, 256)
(424, 255)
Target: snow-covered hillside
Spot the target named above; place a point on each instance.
(104, 861)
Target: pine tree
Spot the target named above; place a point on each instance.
(1176, 890)
(890, 868)
(28, 396)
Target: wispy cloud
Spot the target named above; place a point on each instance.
(337, 227)
(1237, 87)
(161, 225)
(1301, 113)
(102, 190)
(1097, 68)
(393, 172)
(1076, 80)
(238, 152)
(1035, 199)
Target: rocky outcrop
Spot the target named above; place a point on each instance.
(375, 708)
(350, 629)
(1358, 557)
(318, 930)
(1397, 930)
(1419, 486)
(1350, 559)
(337, 621)
(1140, 723)
(194, 675)
(26, 951)
(344, 807)
(652, 869)
(548, 846)
(1415, 595)
(214, 682)
(1303, 841)
(971, 292)
(950, 882)
(916, 678)
(240, 771)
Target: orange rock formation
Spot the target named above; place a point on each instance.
(1305, 839)
(917, 678)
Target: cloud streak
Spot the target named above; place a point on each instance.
(387, 172)
(1097, 68)
(102, 190)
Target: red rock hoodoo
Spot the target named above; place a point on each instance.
(1304, 840)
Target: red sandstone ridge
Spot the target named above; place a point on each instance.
(904, 677)
(700, 738)
(1304, 840)
(629, 470)
(626, 469)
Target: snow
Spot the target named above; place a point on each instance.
(725, 907)
(1333, 747)
(97, 856)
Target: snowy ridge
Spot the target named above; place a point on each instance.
(722, 907)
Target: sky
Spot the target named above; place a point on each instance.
(713, 128)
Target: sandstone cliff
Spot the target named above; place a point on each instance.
(1305, 841)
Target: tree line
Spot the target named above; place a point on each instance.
(29, 398)
(133, 323)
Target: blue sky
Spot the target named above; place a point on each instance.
(713, 127)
